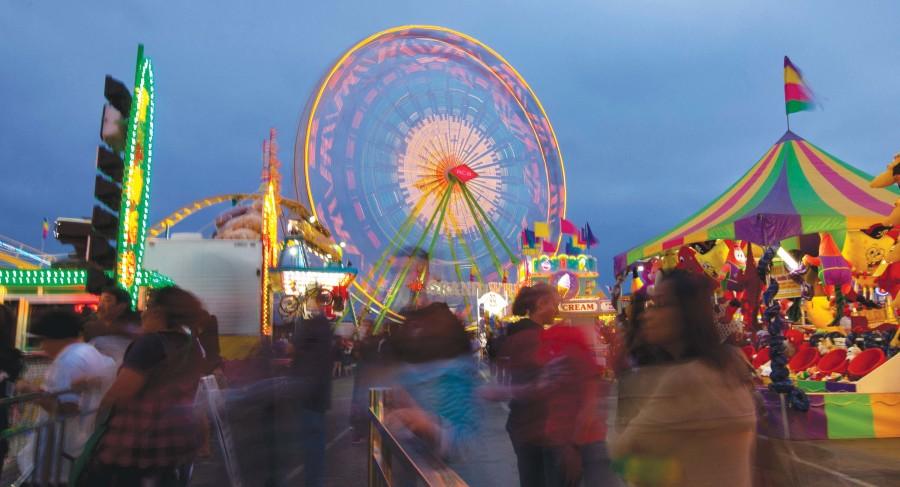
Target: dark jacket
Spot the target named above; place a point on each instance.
(526, 416)
(312, 363)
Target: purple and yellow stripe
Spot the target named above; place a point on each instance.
(794, 189)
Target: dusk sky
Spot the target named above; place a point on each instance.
(658, 105)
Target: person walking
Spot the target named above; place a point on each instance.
(538, 305)
(76, 367)
(313, 351)
(687, 416)
(153, 434)
(436, 398)
(115, 326)
(11, 365)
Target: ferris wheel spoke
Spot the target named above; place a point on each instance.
(401, 278)
(476, 271)
(436, 234)
(402, 232)
(497, 234)
(484, 237)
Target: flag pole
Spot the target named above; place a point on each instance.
(787, 116)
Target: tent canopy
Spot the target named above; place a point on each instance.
(795, 189)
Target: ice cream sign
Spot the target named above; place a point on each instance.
(588, 306)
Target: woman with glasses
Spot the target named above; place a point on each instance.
(686, 412)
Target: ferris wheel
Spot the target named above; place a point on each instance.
(422, 137)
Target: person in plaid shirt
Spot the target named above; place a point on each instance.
(153, 434)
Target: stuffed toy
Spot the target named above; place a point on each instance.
(819, 312)
(668, 260)
(890, 176)
(712, 258)
(752, 286)
(834, 270)
(867, 251)
(687, 260)
(735, 263)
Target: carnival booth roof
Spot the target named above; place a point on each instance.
(795, 189)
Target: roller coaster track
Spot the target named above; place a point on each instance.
(180, 214)
(22, 256)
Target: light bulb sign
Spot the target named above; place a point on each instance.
(136, 179)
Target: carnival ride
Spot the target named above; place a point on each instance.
(17, 255)
(423, 139)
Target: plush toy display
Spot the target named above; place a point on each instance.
(834, 270)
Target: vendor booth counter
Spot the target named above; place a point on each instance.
(868, 408)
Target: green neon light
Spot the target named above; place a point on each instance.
(135, 206)
(43, 277)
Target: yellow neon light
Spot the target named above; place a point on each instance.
(367, 40)
(315, 105)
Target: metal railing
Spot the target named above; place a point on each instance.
(401, 463)
(49, 458)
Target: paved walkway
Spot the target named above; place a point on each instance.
(861, 463)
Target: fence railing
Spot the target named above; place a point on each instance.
(49, 457)
(400, 463)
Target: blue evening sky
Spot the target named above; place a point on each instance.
(659, 105)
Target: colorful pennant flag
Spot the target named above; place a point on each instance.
(548, 247)
(528, 239)
(542, 230)
(45, 229)
(797, 95)
(578, 243)
(587, 236)
(571, 248)
(567, 227)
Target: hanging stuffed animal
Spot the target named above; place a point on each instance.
(687, 261)
(834, 270)
(650, 274)
(712, 258)
(867, 251)
(734, 267)
(752, 286)
(890, 176)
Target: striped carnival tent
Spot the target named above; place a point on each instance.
(795, 189)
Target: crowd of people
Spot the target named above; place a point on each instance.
(125, 384)
(680, 410)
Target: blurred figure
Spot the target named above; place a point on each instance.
(686, 416)
(337, 356)
(208, 336)
(153, 435)
(575, 426)
(76, 366)
(439, 377)
(313, 345)
(539, 306)
(367, 369)
(10, 368)
(115, 326)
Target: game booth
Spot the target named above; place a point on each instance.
(802, 253)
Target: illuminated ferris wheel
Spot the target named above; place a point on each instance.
(422, 137)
